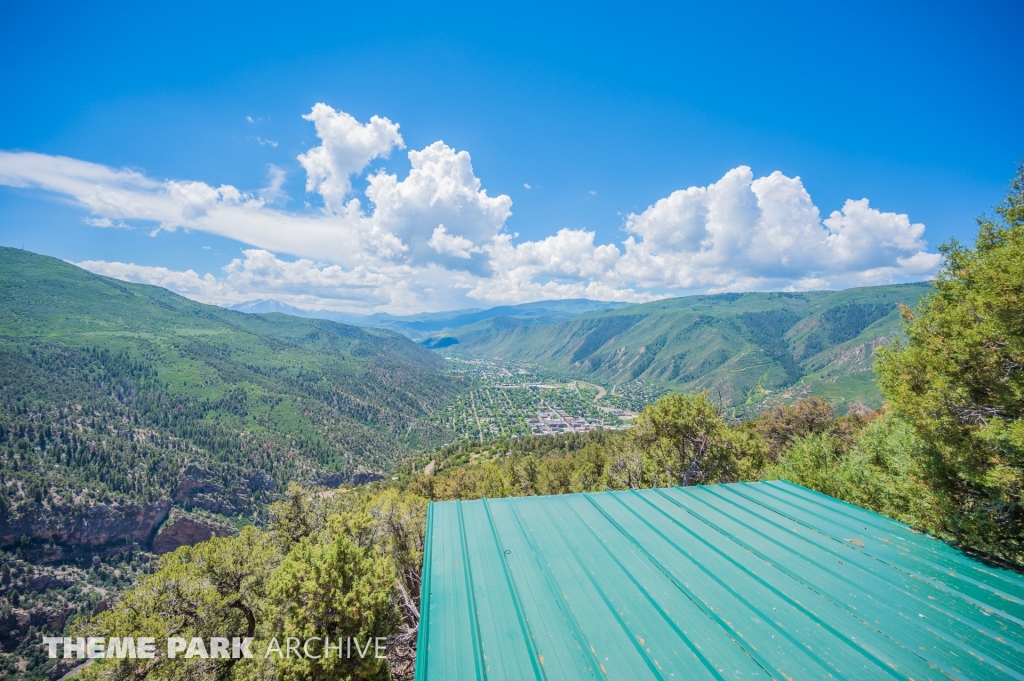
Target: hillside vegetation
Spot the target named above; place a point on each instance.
(750, 350)
(134, 420)
(116, 392)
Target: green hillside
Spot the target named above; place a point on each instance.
(133, 421)
(146, 381)
(748, 348)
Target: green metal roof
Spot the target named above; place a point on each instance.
(762, 580)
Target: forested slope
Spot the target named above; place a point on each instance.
(748, 348)
(126, 393)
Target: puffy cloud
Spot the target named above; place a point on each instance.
(458, 246)
(861, 237)
(745, 234)
(566, 265)
(263, 271)
(571, 253)
(441, 189)
(346, 148)
(435, 239)
(304, 283)
(196, 199)
(260, 273)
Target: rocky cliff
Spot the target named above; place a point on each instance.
(59, 533)
(185, 531)
(200, 488)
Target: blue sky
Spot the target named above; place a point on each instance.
(661, 145)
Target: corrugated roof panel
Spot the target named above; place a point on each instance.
(744, 581)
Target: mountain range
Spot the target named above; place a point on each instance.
(426, 324)
(749, 349)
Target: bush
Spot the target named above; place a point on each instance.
(881, 470)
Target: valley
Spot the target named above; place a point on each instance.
(510, 400)
(750, 350)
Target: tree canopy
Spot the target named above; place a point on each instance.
(334, 578)
(959, 380)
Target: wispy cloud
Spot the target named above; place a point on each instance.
(274, 191)
(347, 146)
(106, 222)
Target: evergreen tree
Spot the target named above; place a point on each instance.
(688, 437)
(959, 379)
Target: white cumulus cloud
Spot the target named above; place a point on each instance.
(436, 239)
(441, 189)
(347, 146)
(443, 242)
(303, 283)
(742, 233)
(205, 288)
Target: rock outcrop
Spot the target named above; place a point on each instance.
(193, 482)
(16, 622)
(200, 488)
(258, 480)
(333, 480)
(47, 578)
(62, 533)
(185, 531)
(102, 606)
(363, 477)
